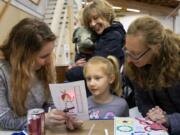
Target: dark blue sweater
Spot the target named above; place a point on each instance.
(167, 99)
(111, 42)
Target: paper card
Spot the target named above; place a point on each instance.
(135, 126)
(71, 97)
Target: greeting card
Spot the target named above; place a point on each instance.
(71, 97)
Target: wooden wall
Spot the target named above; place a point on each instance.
(9, 18)
(61, 73)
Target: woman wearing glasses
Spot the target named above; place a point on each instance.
(153, 65)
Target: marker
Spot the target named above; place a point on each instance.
(106, 131)
(91, 129)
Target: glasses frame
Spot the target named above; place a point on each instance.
(136, 57)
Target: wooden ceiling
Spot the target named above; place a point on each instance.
(166, 3)
(157, 7)
(152, 7)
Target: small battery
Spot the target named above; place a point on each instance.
(36, 119)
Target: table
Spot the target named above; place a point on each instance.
(6, 132)
(99, 126)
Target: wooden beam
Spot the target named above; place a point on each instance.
(144, 7)
(4, 8)
(70, 29)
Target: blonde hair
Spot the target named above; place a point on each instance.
(25, 41)
(164, 71)
(102, 8)
(110, 67)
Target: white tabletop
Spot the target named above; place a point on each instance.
(6, 132)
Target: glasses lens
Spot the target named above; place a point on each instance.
(135, 57)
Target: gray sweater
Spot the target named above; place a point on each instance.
(35, 99)
(117, 107)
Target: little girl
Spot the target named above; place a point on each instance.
(103, 81)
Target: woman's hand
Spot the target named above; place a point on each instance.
(73, 122)
(55, 118)
(157, 115)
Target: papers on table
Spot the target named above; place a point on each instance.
(71, 97)
(135, 126)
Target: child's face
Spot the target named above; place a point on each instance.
(97, 23)
(98, 81)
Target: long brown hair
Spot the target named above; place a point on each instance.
(25, 40)
(164, 71)
(110, 66)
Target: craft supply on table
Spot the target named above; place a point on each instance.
(137, 126)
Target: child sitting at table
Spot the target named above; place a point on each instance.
(103, 81)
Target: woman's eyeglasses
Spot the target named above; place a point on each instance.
(135, 57)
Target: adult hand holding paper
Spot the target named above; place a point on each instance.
(71, 98)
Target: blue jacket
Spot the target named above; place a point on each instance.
(111, 42)
(146, 100)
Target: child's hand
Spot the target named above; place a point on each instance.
(81, 62)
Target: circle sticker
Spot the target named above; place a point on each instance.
(124, 128)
